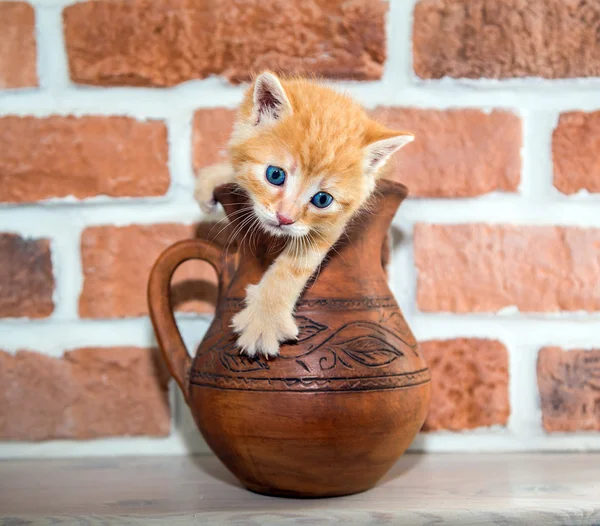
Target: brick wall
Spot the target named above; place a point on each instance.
(106, 107)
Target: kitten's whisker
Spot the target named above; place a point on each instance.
(273, 240)
(331, 247)
(227, 217)
(213, 238)
(238, 229)
(252, 229)
(247, 215)
(315, 247)
(306, 246)
(244, 222)
(248, 230)
(231, 222)
(254, 235)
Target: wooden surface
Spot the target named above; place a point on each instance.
(421, 489)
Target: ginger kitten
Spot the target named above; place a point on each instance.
(309, 158)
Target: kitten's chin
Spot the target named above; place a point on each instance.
(283, 230)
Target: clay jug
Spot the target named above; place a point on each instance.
(335, 410)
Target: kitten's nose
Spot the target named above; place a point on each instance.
(284, 220)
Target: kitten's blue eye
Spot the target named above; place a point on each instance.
(321, 199)
(275, 175)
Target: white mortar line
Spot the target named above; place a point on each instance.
(501, 210)
(519, 85)
(144, 103)
(497, 440)
(38, 220)
(126, 446)
(53, 69)
(401, 48)
(565, 329)
(536, 183)
(54, 337)
(403, 280)
(525, 413)
(181, 154)
(68, 277)
(401, 270)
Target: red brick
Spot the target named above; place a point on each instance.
(26, 278)
(17, 46)
(575, 147)
(212, 129)
(89, 393)
(456, 153)
(116, 264)
(469, 385)
(146, 43)
(569, 384)
(506, 38)
(82, 157)
(484, 268)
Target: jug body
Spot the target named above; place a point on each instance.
(333, 412)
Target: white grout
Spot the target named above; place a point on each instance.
(180, 153)
(175, 444)
(526, 416)
(55, 336)
(502, 440)
(68, 276)
(538, 102)
(536, 183)
(53, 70)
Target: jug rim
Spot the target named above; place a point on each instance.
(392, 186)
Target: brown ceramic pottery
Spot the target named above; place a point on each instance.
(335, 410)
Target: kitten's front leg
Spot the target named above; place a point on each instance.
(267, 320)
(207, 179)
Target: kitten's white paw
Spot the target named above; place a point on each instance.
(203, 193)
(208, 207)
(262, 329)
(207, 179)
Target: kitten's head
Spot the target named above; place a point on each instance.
(307, 156)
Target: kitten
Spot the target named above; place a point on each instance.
(308, 157)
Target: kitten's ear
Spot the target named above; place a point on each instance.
(270, 101)
(379, 152)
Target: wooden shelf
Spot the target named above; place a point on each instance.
(421, 489)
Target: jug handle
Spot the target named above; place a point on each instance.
(168, 336)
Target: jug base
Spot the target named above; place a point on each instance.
(292, 494)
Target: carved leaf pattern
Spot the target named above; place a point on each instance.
(232, 360)
(240, 364)
(356, 344)
(370, 351)
(363, 343)
(308, 328)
